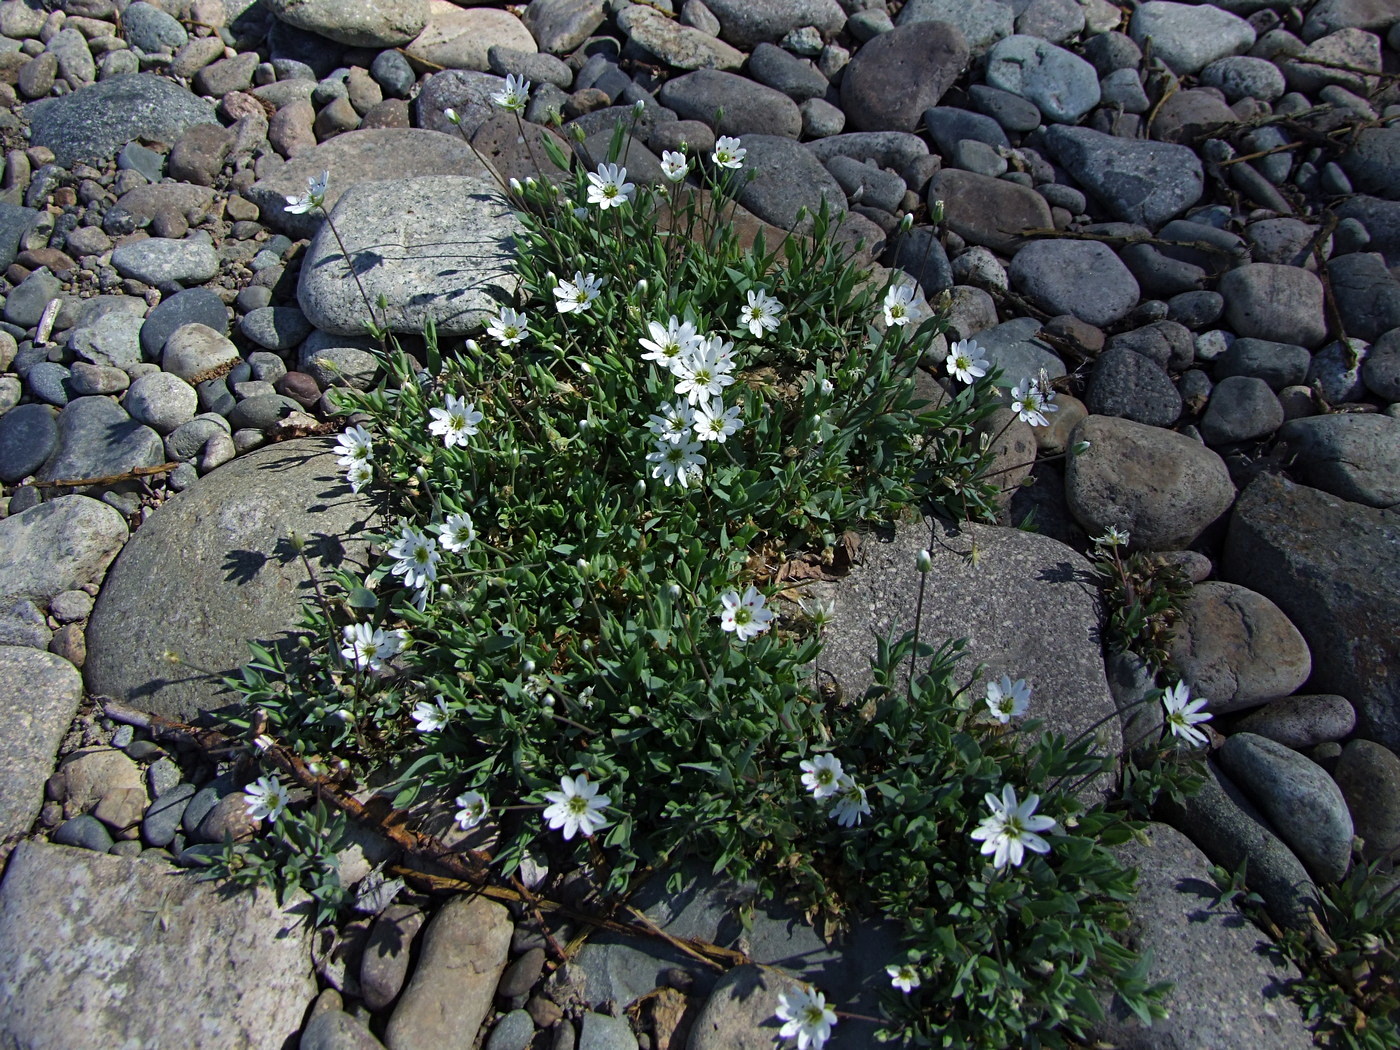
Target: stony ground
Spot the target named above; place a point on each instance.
(1185, 214)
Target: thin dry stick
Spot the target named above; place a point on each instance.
(107, 479)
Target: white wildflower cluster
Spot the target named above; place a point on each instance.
(367, 647)
(1031, 399)
(826, 780)
(356, 449)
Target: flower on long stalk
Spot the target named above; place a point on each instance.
(821, 775)
(714, 422)
(266, 798)
(851, 803)
(899, 305)
(355, 445)
(508, 327)
(430, 717)
(674, 165)
(315, 196)
(966, 361)
(1007, 699)
(1030, 400)
(1184, 714)
(359, 475)
(515, 97)
(672, 423)
(762, 313)
(608, 187)
(456, 533)
(805, 1017)
(904, 976)
(705, 371)
(471, 809)
(728, 153)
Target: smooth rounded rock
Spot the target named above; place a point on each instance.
(1304, 804)
(358, 23)
(1302, 721)
(1354, 456)
(1369, 777)
(98, 439)
(1137, 180)
(986, 211)
(195, 353)
(787, 178)
(746, 23)
(28, 436)
(462, 38)
(93, 123)
(1236, 648)
(1061, 84)
(1242, 76)
(1163, 488)
(895, 77)
(748, 108)
(1277, 364)
(231, 529)
(158, 261)
(1280, 303)
(1188, 37)
(1081, 278)
(1131, 386)
(1242, 408)
(162, 401)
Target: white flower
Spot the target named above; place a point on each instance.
(705, 371)
(1183, 714)
(761, 314)
(451, 115)
(355, 445)
(1030, 401)
(415, 558)
(1112, 538)
(851, 804)
(714, 422)
(456, 422)
(431, 716)
(359, 475)
(821, 775)
(903, 976)
(456, 533)
(578, 294)
(516, 95)
(471, 809)
(966, 361)
(608, 187)
(806, 1018)
(745, 615)
(1010, 828)
(577, 807)
(265, 798)
(1007, 699)
(899, 305)
(667, 346)
(315, 195)
(674, 165)
(672, 422)
(676, 461)
(508, 327)
(368, 647)
(727, 153)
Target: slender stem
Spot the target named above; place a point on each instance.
(350, 265)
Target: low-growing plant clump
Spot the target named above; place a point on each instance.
(585, 641)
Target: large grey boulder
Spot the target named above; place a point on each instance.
(1022, 604)
(1137, 180)
(1198, 944)
(39, 694)
(94, 122)
(359, 23)
(99, 952)
(436, 248)
(213, 569)
(1330, 565)
(1356, 457)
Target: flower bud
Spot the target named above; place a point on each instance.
(907, 223)
(639, 107)
(582, 566)
(641, 287)
(639, 489)
(529, 666)
(935, 213)
(473, 347)
(1080, 447)
(515, 186)
(451, 115)
(345, 716)
(925, 561)
(674, 590)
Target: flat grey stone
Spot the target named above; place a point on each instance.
(336, 1030)
(236, 579)
(196, 353)
(787, 178)
(93, 123)
(745, 23)
(1368, 297)
(1280, 303)
(397, 234)
(1039, 578)
(39, 695)
(1188, 37)
(604, 1032)
(1061, 84)
(749, 108)
(98, 952)
(57, 546)
(1302, 721)
(1329, 565)
(1242, 408)
(160, 261)
(462, 38)
(1082, 278)
(981, 22)
(358, 23)
(987, 211)
(1197, 944)
(1162, 487)
(110, 339)
(677, 45)
(896, 76)
(375, 154)
(1369, 776)
(28, 436)
(1138, 181)
(97, 439)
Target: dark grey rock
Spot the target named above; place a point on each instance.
(1380, 371)
(865, 183)
(1130, 386)
(1356, 457)
(1194, 942)
(748, 108)
(745, 23)
(1302, 721)
(275, 327)
(1277, 364)
(1081, 278)
(799, 80)
(191, 306)
(787, 178)
(1163, 488)
(1279, 303)
(1326, 563)
(1242, 408)
(514, 1031)
(151, 29)
(981, 22)
(85, 832)
(562, 25)
(1369, 776)
(919, 254)
(335, 1029)
(162, 817)
(1335, 371)
(894, 78)
(1014, 348)
(15, 222)
(235, 570)
(1372, 160)
(261, 411)
(1243, 76)
(1368, 297)
(604, 1032)
(1302, 802)
(1012, 112)
(112, 339)
(1136, 180)
(1381, 221)
(96, 438)
(28, 436)
(392, 72)
(1166, 343)
(986, 211)
(1231, 831)
(898, 150)
(93, 123)
(26, 302)
(1196, 310)
(948, 125)
(50, 383)
(245, 954)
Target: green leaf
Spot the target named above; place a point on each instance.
(363, 598)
